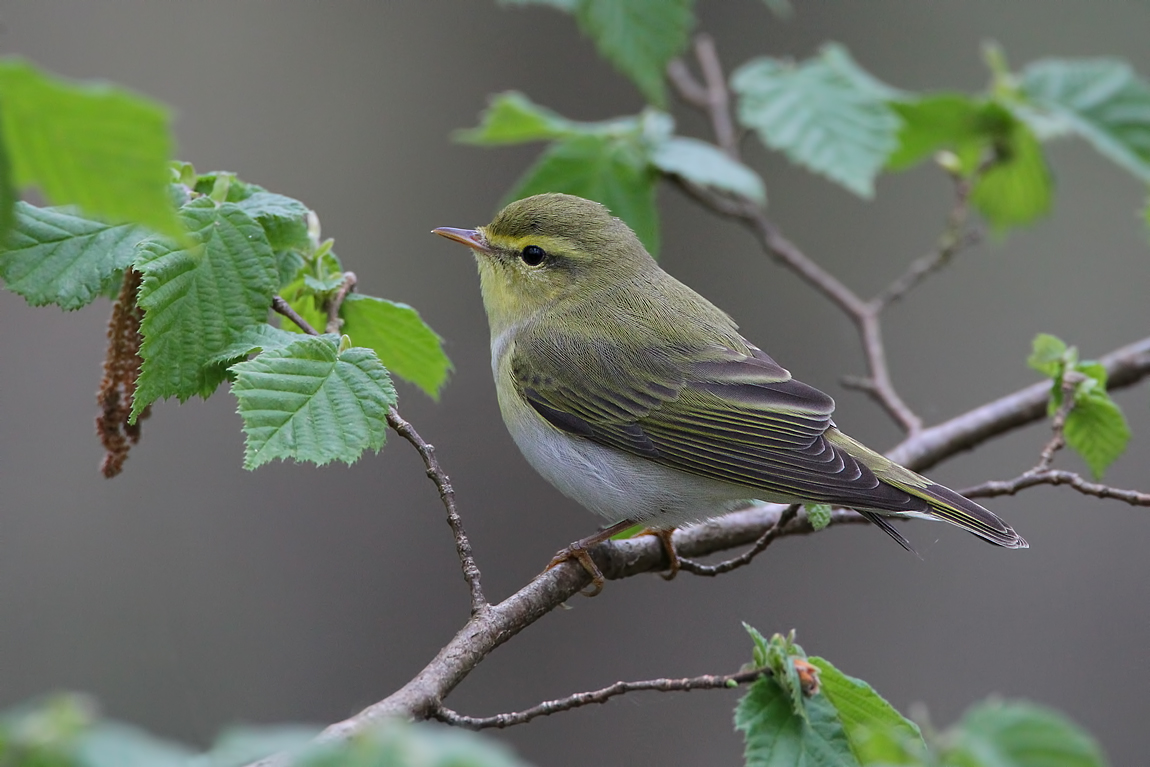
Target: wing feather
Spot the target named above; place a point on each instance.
(732, 416)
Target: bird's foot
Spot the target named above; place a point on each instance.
(669, 546)
(579, 551)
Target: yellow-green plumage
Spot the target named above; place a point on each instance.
(640, 399)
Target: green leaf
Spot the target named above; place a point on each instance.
(965, 126)
(562, 5)
(227, 184)
(1102, 100)
(197, 300)
(1097, 430)
(612, 170)
(400, 744)
(1017, 734)
(782, 9)
(306, 306)
(110, 744)
(512, 118)
(261, 337)
(240, 746)
(310, 402)
(1017, 188)
(289, 264)
(826, 114)
(776, 736)
(57, 256)
(818, 514)
(707, 165)
(92, 145)
(1048, 355)
(778, 655)
(316, 286)
(405, 344)
(640, 37)
(284, 220)
(878, 734)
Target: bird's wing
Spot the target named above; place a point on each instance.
(727, 415)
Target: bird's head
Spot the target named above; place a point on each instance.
(549, 248)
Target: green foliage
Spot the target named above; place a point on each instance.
(512, 118)
(829, 115)
(312, 401)
(640, 37)
(58, 256)
(706, 165)
(877, 733)
(1095, 427)
(611, 170)
(1100, 100)
(206, 296)
(817, 716)
(818, 514)
(777, 737)
(615, 162)
(1016, 189)
(95, 146)
(826, 114)
(64, 731)
(198, 299)
(1018, 734)
(843, 722)
(403, 341)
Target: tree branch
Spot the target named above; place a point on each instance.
(705, 682)
(334, 323)
(1055, 477)
(435, 472)
(953, 240)
(726, 566)
(471, 572)
(1125, 366)
(489, 628)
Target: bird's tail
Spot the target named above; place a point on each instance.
(949, 506)
(941, 502)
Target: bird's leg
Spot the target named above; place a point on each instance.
(669, 547)
(579, 552)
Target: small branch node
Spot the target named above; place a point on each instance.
(765, 540)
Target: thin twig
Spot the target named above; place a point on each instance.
(688, 88)
(283, 307)
(727, 565)
(705, 682)
(435, 472)
(1070, 381)
(1042, 474)
(1055, 477)
(953, 239)
(870, 327)
(334, 323)
(447, 494)
(718, 99)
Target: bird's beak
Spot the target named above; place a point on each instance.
(472, 238)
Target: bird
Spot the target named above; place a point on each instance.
(639, 399)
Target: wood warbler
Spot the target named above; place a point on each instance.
(638, 398)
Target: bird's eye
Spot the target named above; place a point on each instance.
(533, 255)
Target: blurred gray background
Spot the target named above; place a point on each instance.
(188, 594)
